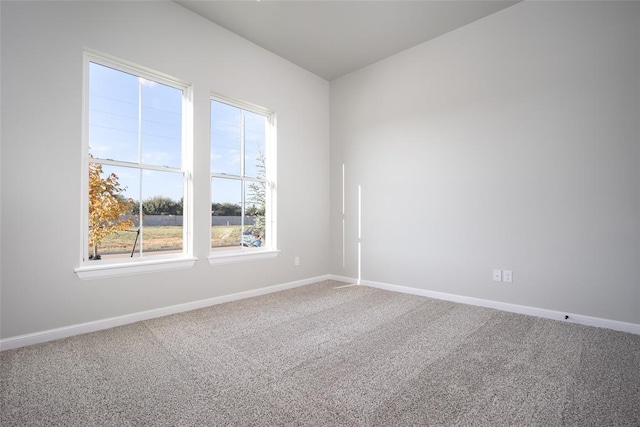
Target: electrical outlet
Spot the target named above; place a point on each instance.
(507, 276)
(296, 261)
(497, 275)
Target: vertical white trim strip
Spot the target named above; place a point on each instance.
(359, 212)
(359, 263)
(359, 233)
(344, 249)
(343, 189)
(344, 242)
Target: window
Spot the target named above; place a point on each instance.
(242, 180)
(137, 165)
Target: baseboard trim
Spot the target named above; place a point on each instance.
(98, 325)
(512, 308)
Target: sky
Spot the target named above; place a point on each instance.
(124, 129)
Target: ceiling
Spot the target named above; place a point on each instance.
(332, 38)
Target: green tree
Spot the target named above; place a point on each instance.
(258, 199)
(225, 209)
(160, 205)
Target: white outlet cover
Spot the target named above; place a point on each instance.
(497, 275)
(507, 276)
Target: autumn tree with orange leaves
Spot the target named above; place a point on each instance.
(107, 207)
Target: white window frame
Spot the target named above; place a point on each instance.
(271, 250)
(89, 269)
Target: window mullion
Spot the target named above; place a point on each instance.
(140, 220)
(141, 185)
(242, 174)
(139, 121)
(242, 144)
(242, 212)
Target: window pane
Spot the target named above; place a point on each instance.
(165, 185)
(162, 197)
(161, 124)
(113, 114)
(226, 139)
(114, 212)
(226, 213)
(255, 135)
(253, 234)
(113, 224)
(133, 119)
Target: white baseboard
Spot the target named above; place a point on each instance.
(98, 325)
(513, 308)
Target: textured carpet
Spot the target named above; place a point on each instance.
(327, 354)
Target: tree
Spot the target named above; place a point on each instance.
(160, 205)
(258, 198)
(225, 209)
(107, 206)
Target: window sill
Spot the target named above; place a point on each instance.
(241, 256)
(88, 272)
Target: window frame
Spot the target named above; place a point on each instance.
(271, 250)
(90, 269)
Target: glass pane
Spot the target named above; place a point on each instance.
(132, 119)
(162, 226)
(114, 212)
(161, 125)
(255, 135)
(226, 213)
(253, 234)
(113, 114)
(113, 220)
(226, 138)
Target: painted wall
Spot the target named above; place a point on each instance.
(42, 46)
(511, 143)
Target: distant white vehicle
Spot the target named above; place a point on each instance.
(251, 239)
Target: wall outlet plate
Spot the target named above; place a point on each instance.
(497, 275)
(507, 276)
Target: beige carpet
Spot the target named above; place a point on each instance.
(325, 354)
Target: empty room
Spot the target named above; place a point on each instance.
(320, 213)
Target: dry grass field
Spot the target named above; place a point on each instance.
(162, 238)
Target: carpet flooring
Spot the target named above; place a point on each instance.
(329, 354)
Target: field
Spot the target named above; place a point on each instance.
(165, 238)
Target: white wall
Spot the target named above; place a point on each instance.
(42, 46)
(513, 142)
(510, 143)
